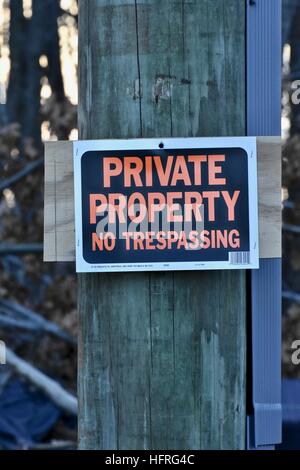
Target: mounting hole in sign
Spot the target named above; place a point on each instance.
(161, 145)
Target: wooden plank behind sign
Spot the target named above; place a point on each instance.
(59, 231)
(59, 219)
(269, 196)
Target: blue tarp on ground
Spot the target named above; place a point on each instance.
(26, 415)
(291, 415)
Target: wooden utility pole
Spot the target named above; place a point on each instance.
(162, 355)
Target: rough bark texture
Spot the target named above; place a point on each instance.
(162, 355)
(29, 39)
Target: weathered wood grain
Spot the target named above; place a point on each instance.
(59, 219)
(59, 240)
(162, 356)
(269, 196)
(50, 204)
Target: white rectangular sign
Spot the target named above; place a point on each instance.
(166, 204)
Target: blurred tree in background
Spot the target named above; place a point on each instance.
(38, 98)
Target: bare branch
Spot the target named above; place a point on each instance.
(52, 389)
